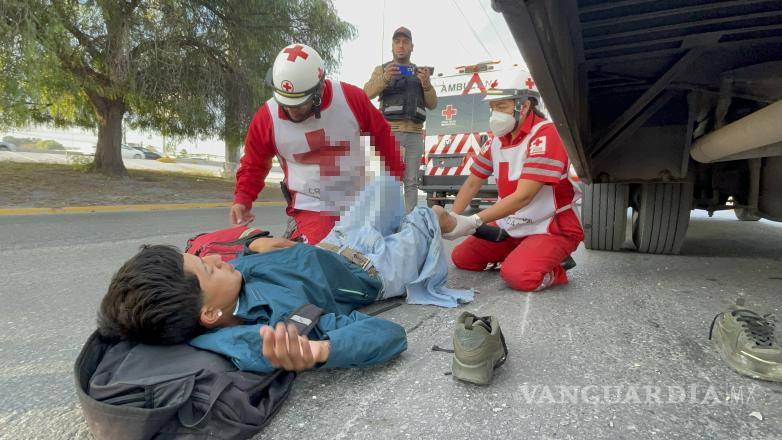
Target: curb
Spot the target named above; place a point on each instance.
(123, 208)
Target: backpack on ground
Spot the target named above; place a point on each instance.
(137, 391)
(229, 243)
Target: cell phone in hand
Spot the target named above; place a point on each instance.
(406, 70)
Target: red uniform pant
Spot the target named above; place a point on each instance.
(529, 263)
(311, 226)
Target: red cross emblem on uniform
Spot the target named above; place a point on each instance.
(536, 142)
(295, 52)
(322, 153)
(529, 82)
(449, 112)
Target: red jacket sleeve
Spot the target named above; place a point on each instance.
(259, 149)
(482, 165)
(371, 122)
(547, 160)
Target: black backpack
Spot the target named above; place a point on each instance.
(137, 391)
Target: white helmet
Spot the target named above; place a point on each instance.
(521, 88)
(297, 75)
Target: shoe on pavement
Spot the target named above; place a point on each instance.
(479, 347)
(746, 342)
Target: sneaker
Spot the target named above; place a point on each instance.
(746, 342)
(479, 348)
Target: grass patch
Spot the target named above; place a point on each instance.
(37, 185)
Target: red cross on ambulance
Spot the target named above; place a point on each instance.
(449, 112)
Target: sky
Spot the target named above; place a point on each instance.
(446, 34)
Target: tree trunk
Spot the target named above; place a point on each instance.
(231, 158)
(108, 155)
(237, 116)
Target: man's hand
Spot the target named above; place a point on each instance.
(390, 71)
(423, 74)
(240, 215)
(288, 350)
(464, 226)
(268, 244)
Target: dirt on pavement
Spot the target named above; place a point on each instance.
(30, 185)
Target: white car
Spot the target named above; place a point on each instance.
(7, 146)
(131, 153)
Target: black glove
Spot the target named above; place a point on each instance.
(491, 233)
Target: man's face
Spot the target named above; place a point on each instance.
(299, 113)
(219, 281)
(402, 47)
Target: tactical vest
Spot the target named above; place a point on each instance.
(403, 98)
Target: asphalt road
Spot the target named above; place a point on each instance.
(620, 352)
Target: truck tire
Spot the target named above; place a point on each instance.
(604, 215)
(744, 215)
(662, 216)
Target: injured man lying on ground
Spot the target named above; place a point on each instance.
(238, 309)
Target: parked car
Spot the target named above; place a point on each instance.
(149, 154)
(131, 153)
(7, 146)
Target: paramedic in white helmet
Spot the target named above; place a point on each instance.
(313, 126)
(533, 228)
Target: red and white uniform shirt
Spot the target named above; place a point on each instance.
(323, 159)
(537, 153)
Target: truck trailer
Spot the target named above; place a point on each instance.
(664, 106)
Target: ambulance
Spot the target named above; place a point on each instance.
(457, 130)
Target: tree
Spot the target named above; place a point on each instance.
(184, 68)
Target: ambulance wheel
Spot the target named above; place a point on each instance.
(430, 202)
(604, 215)
(744, 215)
(661, 217)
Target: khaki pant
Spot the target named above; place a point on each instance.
(413, 148)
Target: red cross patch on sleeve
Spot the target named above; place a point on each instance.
(537, 146)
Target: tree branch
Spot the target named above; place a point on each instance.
(84, 40)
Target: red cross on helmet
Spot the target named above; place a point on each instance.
(297, 75)
(521, 87)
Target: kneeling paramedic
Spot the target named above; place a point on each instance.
(537, 191)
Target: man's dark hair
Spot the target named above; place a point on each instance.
(152, 300)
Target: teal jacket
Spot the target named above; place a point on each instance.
(276, 283)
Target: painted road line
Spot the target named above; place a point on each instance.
(123, 208)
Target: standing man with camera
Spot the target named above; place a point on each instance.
(405, 93)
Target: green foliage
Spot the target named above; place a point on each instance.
(181, 67)
(48, 145)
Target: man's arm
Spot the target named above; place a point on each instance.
(466, 193)
(372, 122)
(256, 162)
(360, 340)
(482, 167)
(376, 84)
(241, 343)
(430, 94)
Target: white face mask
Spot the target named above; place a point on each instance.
(501, 123)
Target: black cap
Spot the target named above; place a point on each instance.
(403, 31)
